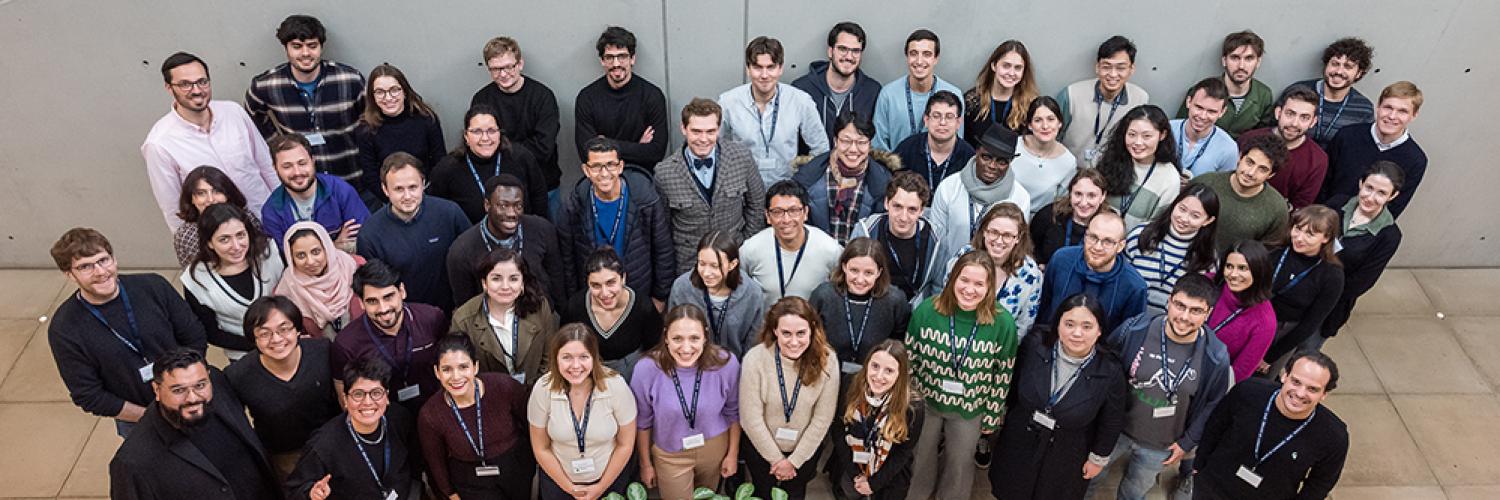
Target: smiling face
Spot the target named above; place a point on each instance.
(1085, 197)
(793, 335)
(763, 74)
(504, 283)
(990, 168)
(1000, 237)
(1240, 64)
(403, 186)
(308, 257)
(903, 210)
(295, 169)
(710, 269)
(1237, 272)
(195, 77)
(881, 372)
(184, 394)
(1304, 386)
(1186, 314)
(1141, 139)
(1375, 191)
(701, 134)
(852, 148)
(1078, 331)
(1188, 216)
(276, 338)
(1393, 115)
(786, 215)
(1103, 241)
(504, 208)
(1307, 241)
(1203, 111)
(574, 362)
(388, 95)
(1114, 71)
(606, 288)
(1341, 73)
(482, 136)
(304, 55)
(845, 54)
(1009, 69)
(205, 194)
(1253, 170)
(921, 58)
(618, 65)
(95, 275)
(860, 275)
(505, 69)
(970, 287)
(1294, 118)
(603, 170)
(383, 305)
(231, 242)
(456, 370)
(366, 411)
(1045, 124)
(942, 121)
(685, 341)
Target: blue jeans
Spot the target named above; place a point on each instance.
(1140, 474)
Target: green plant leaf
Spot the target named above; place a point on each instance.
(744, 492)
(636, 491)
(614, 496)
(703, 494)
(779, 494)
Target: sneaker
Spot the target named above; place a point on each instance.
(982, 454)
(1184, 490)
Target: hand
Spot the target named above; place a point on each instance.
(1263, 367)
(783, 470)
(348, 234)
(729, 466)
(648, 474)
(1090, 469)
(648, 135)
(862, 485)
(591, 492)
(1177, 454)
(660, 306)
(320, 489)
(453, 497)
(131, 412)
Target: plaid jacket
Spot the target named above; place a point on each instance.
(276, 104)
(738, 199)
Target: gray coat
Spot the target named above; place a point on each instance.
(738, 199)
(742, 318)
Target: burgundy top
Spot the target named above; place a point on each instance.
(444, 440)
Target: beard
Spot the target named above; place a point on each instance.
(178, 420)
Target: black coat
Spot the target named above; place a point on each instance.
(650, 259)
(894, 477)
(1032, 462)
(158, 462)
(331, 451)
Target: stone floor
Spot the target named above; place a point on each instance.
(1419, 364)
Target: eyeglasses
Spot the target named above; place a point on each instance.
(373, 394)
(844, 50)
(1007, 238)
(777, 213)
(943, 117)
(615, 58)
(284, 331)
(182, 390)
(603, 167)
(89, 268)
(481, 132)
(201, 83)
(989, 158)
(393, 92)
(506, 69)
(1091, 240)
(854, 143)
(1178, 306)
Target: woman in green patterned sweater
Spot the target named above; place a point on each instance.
(963, 349)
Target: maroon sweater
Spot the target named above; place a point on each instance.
(1302, 176)
(444, 442)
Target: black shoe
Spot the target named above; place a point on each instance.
(982, 454)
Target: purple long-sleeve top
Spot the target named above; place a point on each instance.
(658, 407)
(1247, 336)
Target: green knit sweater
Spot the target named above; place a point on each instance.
(987, 368)
(1261, 217)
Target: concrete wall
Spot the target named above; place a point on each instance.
(79, 81)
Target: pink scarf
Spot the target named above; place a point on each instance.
(322, 298)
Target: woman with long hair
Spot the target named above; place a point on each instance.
(625, 320)
(1306, 283)
(1063, 222)
(204, 186)
(319, 278)
(395, 119)
(1243, 318)
(1004, 236)
(717, 285)
(858, 305)
(1177, 242)
(235, 265)
(1042, 163)
(474, 436)
(876, 432)
(788, 398)
(1002, 92)
(482, 153)
(582, 417)
(1139, 163)
(511, 323)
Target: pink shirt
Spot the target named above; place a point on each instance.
(175, 147)
(1248, 336)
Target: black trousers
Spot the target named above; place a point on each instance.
(514, 482)
(760, 473)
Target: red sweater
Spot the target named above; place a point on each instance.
(1302, 176)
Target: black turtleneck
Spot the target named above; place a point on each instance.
(453, 180)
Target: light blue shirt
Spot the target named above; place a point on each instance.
(894, 120)
(706, 175)
(773, 135)
(1215, 153)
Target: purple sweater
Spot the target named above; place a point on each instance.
(1248, 336)
(658, 408)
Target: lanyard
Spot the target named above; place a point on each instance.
(780, 272)
(405, 365)
(1005, 113)
(1068, 233)
(515, 332)
(581, 430)
(1125, 208)
(855, 336)
(478, 422)
(960, 356)
(1328, 128)
(387, 445)
(689, 411)
(761, 126)
(475, 173)
(911, 110)
(134, 341)
(1292, 279)
(624, 201)
(1057, 393)
(708, 307)
(517, 241)
(1182, 144)
(920, 256)
(973, 217)
(1169, 382)
(1099, 107)
(1259, 458)
(787, 406)
(1226, 321)
(933, 177)
(1161, 265)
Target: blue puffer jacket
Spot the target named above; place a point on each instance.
(1213, 380)
(650, 261)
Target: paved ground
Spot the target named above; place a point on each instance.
(1418, 393)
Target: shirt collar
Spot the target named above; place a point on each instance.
(1375, 134)
(1123, 96)
(172, 108)
(689, 156)
(1381, 221)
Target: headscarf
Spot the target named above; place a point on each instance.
(323, 298)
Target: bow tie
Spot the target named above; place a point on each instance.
(703, 164)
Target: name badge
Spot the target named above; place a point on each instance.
(863, 457)
(316, 139)
(693, 441)
(953, 387)
(1043, 419)
(1249, 476)
(146, 374)
(391, 495)
(583, 466)
(408, 392)
(786, 434)
(520, 377)
(850, 368)
(487, 471)
(1163, 412)
(1089, 154)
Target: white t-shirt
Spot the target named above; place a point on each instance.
(1044, 179)
(758, 256)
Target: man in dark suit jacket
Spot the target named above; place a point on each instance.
(709, 185)
(190, 444)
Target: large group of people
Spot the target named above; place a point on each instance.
(911, 283)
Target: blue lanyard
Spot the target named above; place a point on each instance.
(1329, 127)
(581, 429)
(1057, 393)
(856, 336)
(1182, 144)
(387, 445)
(491, 241)
(1169, 382)
(787, 406)
(475, 173)
(689, 411)
(134, 341)
(708, 307)
(932, 167)
(911, 111)
(1226, 321)
(1098, 107)
(1293, 278)
(478, 421)
(1261, 434)
(515, 332)
(960, 356)
(1068, 233)
(1005, 113)
(1125, 208)
(374, 340)
(613, 237)
(780, 272)
(775, 112)
(921, 255)
(1161, 266)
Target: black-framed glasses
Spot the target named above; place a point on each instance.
(201, 83)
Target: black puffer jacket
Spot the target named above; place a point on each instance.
(650, 261)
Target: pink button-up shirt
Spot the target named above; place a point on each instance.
(175, 147)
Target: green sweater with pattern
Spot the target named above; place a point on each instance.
(987, 367)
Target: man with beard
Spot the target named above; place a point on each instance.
(621, 106)
(903, 100)
(505, 225)
(192, 443)
(400, 333)
(1096, 268)
(1345, 62)
(1306, 163)
(837, 85)
(1248, 209)
(308, 195)
(1250, 100)
(103, 341)
(309, 95)
(754, 111)
(963, 198)
(1203, 147)
(1085, 126)
(412, 233)
(201, 131)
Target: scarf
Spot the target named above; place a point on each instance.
(323, 298)
(988, 194)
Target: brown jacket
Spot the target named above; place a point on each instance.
(536, 331)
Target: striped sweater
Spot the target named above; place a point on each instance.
(1160, 267)
(987, 367)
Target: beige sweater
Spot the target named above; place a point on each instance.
(761, 411)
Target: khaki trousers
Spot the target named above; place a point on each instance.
(677, 474)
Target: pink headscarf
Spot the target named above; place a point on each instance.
(322, 298)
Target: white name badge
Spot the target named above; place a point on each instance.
(863, 457)
(1043, 419)
(786, 434)
(1089, 154)
(850, 368)
(693, 441)
(520, 377)
(487, 471)
(1249, 476)
(316, 139)
(408, 392)
(583, 466)
(391, 495)
(953, 387)
(1163, 412)
(146, 374)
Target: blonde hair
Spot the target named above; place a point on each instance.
(947, 303)
(1405, 90)
(901, 397)
(978, 98)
